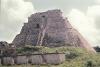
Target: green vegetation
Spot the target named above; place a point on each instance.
(42, 49)
(75, 57)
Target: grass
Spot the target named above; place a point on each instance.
(75, 57)
(41, 49)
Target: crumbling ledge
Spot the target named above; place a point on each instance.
(47, 58)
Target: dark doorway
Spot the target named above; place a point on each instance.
(37, 26)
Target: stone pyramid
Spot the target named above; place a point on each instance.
(49, 28)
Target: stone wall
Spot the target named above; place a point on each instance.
(8, 60)
(49, 27)
(36, 59)
(50, 58)
(21, 59)
(54, 59)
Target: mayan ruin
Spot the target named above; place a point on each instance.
(49, 33)
(47, 29)
(47, 38)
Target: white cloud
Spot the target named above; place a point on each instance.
(86, 23)
(97, 1)
(12, 15)
(94, 13)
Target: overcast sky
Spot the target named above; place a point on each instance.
(84, 15)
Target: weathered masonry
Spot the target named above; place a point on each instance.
(48, 58)
(47, 29)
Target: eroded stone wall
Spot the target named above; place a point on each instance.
(49, 27)
(49, 58)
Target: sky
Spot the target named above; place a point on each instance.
(84, 15)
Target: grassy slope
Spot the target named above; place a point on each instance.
(78, 57)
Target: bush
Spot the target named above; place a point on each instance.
(71, 55)
(90, 64)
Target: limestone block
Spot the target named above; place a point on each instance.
(36, 59)
(8, 61)
(54, 58)
(21, 60)
(0, 61)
